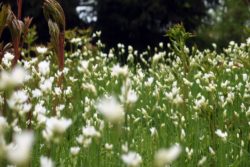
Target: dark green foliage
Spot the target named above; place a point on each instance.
(231, 22)
(144, 22)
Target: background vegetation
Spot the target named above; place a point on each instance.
(141, 23)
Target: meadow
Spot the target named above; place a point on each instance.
(70, 103)
(181, 107)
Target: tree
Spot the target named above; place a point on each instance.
(144, 22)
(229, 22)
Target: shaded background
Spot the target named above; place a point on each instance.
(144, 22)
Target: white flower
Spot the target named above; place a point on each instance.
(132, 96)
(245, 76)
(74, 150)
(211, 150)
(39, 109)
(165, 157)
(46, 85)
(18, 152)
(90, 131)
(84, 64)
(157, 57)
(8, 57)
(19, 75)
(68, 91)
(18, 101)
(44, 67)
(149, 81)
(221, 134)
(132, 159)
(14, 78)
(76, 41)
(153, 131)
(90, 87)
(202, 161)
(41, 49)
(108, 146)
(111, 109)
(248, 41)
(125, 147)
(41, 119)
(19, 96)
(200, 103)
(36, 93)
(46, 162)
(117, 70)
(58, 125)
(58, 91)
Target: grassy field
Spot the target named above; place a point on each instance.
(182, 107)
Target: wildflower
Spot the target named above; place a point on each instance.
(90, 131)
(41, 49)
(132, 159)
(108, 146)
(211, 150)
(76, 41)
(55, 128)
(153, 131)
(46, 162)
(174, 95)
(18, 152)
(46, 85)
(111, 109)
(44, 67)
(200, 103)
(125, 147)
(84, 64)
(248, 41)
(90, 87)
(165, 157)
(221, 134)
(132, 96)
(117, 71)
(157, 57)
(68, 91)
(39, 109)
(202, 161)
(7, 59)
(58, 91)
(36, 93)
(18, 101)
(183, 134)
(149, 81)
(245, 76)
(189, 152)
(14, 78)
(58, 125)
(74, 150)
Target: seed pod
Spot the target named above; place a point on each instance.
(53, 11)
(4, 12)
(54, 34)
(16, 26)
